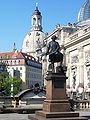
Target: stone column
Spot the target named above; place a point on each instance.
(81, 69)
(62, 39)
(68, 68)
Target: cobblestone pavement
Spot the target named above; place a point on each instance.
(84, 114)
(14, 116)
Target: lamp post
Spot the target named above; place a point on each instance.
(11, 90)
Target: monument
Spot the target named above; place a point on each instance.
(56, 106)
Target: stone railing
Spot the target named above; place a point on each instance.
(82, 105)
(85, 105)
(22, 103)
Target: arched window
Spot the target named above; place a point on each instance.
(34, 21)
(38, 21)
(27, 43)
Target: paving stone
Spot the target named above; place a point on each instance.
(13, 116)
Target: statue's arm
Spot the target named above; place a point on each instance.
(47, 49)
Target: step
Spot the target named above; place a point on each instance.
(35, 117)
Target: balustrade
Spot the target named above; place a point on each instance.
(82, 105)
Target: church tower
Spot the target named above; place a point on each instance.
(33, 41)
(36, 20)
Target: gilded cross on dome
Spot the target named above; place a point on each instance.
(36, 5)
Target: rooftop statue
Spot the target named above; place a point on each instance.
(53, 50)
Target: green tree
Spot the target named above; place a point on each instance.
(6, 82)
(16, 85)
(3, 76)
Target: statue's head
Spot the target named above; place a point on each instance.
(54, 37)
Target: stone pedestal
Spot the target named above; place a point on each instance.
(56, 106)
(56, 94)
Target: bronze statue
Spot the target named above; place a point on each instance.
(53, 50)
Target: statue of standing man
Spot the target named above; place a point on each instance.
(53, 50)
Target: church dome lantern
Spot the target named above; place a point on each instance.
(36, 12)
(36, 20)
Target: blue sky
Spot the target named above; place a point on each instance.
(15, 18)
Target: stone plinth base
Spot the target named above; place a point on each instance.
(56, 116)
(56, 106)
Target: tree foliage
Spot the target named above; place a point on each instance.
(9, 85)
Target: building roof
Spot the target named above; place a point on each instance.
(13, 55)
(84, 12)
(20, 57)
(36, 12)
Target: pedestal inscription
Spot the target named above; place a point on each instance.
(58, 84)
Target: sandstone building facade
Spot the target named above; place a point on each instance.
(30, 70)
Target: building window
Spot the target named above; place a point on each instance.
(16, 68)
(10, 62)
(38, 21)
(20, 68)
(37, 34)
(20, 74)
(34, 21)
(7, 62)
(13, 62)
(17, 61)
(0, 57)
(27, 43)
